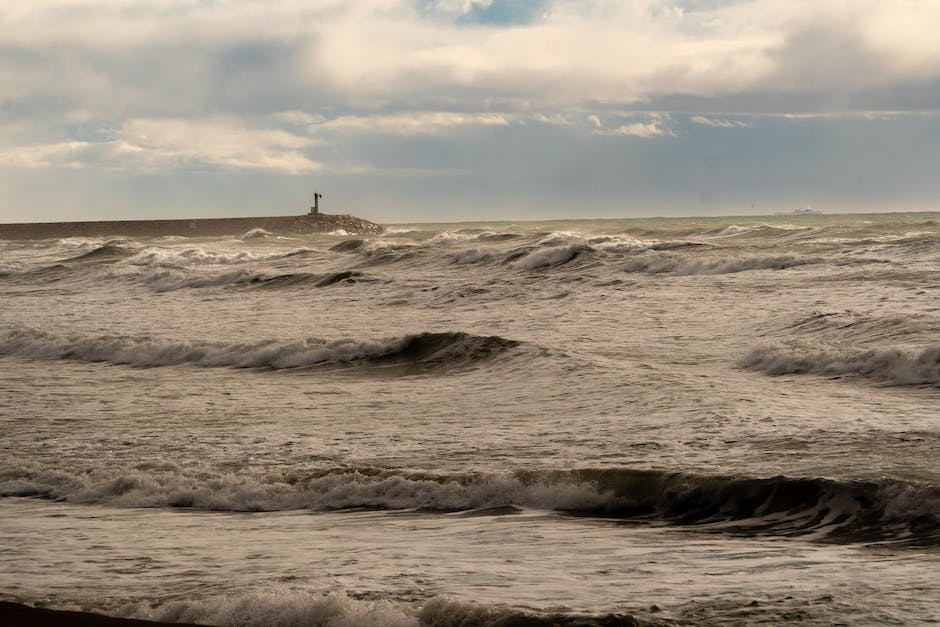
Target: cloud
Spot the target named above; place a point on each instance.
(410, 123)
(70, 154)
(154, 143)
(369, 57)
(659, 125)
(718, 122)
(262, 88)
(554, 119)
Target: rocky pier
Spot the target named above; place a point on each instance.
(195, 227)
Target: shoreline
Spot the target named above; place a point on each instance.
(196, 227)
(22, 614)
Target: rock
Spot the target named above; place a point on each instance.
(198, 227)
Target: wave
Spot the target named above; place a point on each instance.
(199, 256)
(448, 237)
(854, 326)
(171, 279)
(814, 508)
(494, 236)
(422, 349)
(758, 230)
(684, 266)
(280, 607)
(897, 366)
(107, 253)
(619, 243)
(471, 256)
(257, 233)
(546, 257)
(348, 246)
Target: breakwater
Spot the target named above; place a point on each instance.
(195, 227)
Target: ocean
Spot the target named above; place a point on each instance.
(692, 421)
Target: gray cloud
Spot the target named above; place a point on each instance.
(544, 106)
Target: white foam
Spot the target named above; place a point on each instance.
(200, 256)
(559, 238)
(377, 248)
(447, 237)
(170, 279)
(170, 486)
(279, 609)
(258, 233)
(618, 243)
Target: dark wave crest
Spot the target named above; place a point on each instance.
(658, 263)
(813, 508)
(301, 279)
(108, 253)
(785, 506)
(451, 349)
(348, 246)
(895, 366)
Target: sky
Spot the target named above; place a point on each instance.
(457, 110)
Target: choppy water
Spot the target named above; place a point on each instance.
(701, 421)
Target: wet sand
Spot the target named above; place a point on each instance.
(17, 614)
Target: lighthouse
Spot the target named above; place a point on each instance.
(315, 209)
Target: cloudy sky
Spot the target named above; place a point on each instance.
(441, 110)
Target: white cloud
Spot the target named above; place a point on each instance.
(149, 143)
(658, 125)
(718, 122)
(410, 123)
(370, 55)
(70, 154)
(554, 119)
(638, 129)
(219, 142)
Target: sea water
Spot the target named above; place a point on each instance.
(694, 421)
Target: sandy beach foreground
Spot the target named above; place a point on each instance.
(17, 614)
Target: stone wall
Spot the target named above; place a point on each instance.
(198, 227)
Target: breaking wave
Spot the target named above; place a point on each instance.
(814, 508)
(897, 366)
(684, 266)
(257, 233)
(755, 230)
(171, 279)
(427, 349)
(109, 252)
(200, 256)
(348, 246)
(549, 257)
(280, 607)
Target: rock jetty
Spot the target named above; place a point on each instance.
(197, 227)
